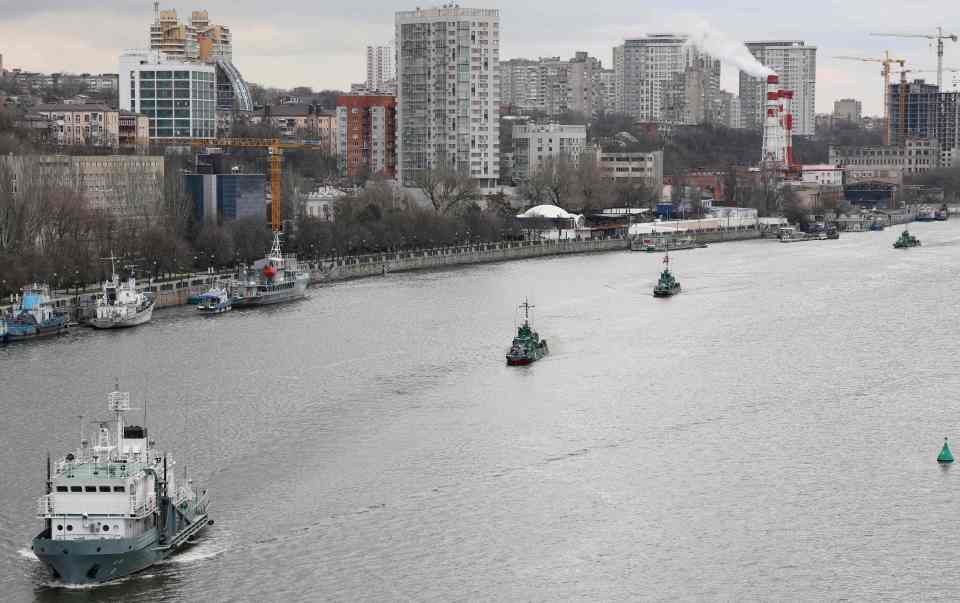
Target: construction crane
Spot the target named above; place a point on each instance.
(886, 61)
(275, 149)
(939, 37)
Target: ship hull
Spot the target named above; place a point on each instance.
(137, 319)
(525, 359)
(298, 291)
(79, 562)
(33, 332)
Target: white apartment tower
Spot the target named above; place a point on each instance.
(796, 65)
(667, 80)
(380, 70)
(448, 92)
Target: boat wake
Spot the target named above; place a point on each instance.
(64, 586)
(27, 553)
(199, 552)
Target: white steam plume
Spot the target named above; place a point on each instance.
(716, 43)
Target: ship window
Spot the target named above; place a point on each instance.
(106, 528)
(91, 488)
(76, 488)
(118, 489)
(59, 527)
(69, 527)
(62, 489)
(104, 488)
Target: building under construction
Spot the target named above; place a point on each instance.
(918, 110)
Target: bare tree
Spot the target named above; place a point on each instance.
(446, 188)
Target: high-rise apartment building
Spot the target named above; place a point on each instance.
(448, 92)
(366, 135)
(796, 65)
(920, 110)
(381, 74)
(554, 86)
(618, 79)
(667, 80)
(178, 97)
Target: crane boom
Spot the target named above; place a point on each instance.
(886, 61)
(939, 37)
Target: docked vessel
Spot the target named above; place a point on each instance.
(33, 315)
(792, 235)
(215, 301)
(114, 508)
(274, 279)
(906, 240)
(653, 243)
(121, 305)
(527, 347)
(668, 285)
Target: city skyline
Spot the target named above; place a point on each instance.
(282, 47)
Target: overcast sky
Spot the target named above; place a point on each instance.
(320, 43)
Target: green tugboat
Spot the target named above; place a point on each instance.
(527, 347)
(667, 285)
(906, 240)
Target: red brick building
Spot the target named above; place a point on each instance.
(366, 135)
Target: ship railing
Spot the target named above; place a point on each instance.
(45, 505)
(145, 509)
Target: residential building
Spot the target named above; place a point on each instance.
(729, 113)
(366, 135)
(848, 109)
(618, 79)
(553, 86)
(448, 92)
(128, 187)
(300, 121)
(633, 167)
(76, 125)
(178, 97)
(196, 40)
(133, 129)
(667, 80)
(535, 143)
(381, 71)
(105, 82)
(327, 127)
(796, 65)
(583, 84)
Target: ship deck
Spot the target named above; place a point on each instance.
(93, 470)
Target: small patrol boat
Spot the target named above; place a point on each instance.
(668, 285)
(527, 347)
(114, 508)
(906, 240)
(215, 301)
(33, 315)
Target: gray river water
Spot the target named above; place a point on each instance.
(770, 433)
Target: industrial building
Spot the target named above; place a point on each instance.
(796, 65)
(448, 92)
(646, 168)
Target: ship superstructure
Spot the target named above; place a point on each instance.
(113, 507)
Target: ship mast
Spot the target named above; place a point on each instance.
(119, 403)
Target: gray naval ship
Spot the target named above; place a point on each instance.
(275, 279)
(114, 508)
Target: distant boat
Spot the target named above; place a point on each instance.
(527, 347)
(214, 301)
(32, 316)
(663, 243)
(668, 285)
(121, 305)
(274, 279)
(906, 240)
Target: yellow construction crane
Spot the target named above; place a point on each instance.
(886, 61)
(275, 148)
(939, 37)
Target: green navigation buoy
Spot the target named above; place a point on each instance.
(945, 456)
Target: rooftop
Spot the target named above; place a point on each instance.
(72, 108)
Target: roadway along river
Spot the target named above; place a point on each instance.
(771, 433)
